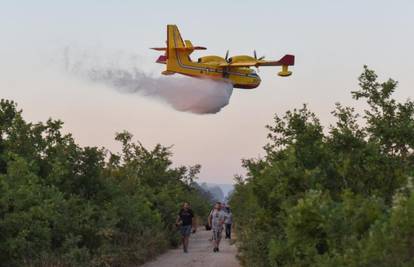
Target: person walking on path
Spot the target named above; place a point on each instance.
(216, 222)
(186, 222)
(228, 222)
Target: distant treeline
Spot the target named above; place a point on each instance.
(215, 191)
(66, 205)
(341, 196)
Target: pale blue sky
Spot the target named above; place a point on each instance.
(332, 40)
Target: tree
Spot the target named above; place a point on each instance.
(66, 205)
(332, 198)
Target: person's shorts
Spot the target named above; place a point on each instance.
(185, 230)
(217, 233)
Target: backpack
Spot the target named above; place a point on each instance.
(208, 227)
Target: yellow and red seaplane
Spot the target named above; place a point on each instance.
(235, 69)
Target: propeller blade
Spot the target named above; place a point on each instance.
(255, 56)
(227, 55)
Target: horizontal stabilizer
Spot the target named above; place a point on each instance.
(180, 48)
(162, 60)
(190, 48)
(200, 48)
(159, 48)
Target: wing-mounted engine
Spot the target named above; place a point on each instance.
(213, 60)
(240, 59)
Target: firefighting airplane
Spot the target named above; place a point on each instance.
(236, 69)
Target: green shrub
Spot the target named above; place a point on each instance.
(66, 205)
(337, 197)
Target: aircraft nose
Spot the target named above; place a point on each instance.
(257, 82)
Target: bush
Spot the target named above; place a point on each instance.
(336, 197)
(66, 205)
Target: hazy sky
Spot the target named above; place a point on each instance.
(331, 40)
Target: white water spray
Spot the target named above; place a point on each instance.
(200, 96)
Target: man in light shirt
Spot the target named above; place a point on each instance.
(216, 222)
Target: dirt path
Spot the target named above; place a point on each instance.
(200, 254)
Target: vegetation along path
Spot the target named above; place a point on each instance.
(200, 254)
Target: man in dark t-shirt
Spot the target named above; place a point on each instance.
(186, 221)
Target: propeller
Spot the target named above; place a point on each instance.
(225, 69)
(227, 56)
(260, 58)
(255, 56)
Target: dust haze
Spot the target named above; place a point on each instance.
(199, 96)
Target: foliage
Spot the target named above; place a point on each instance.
(66, 205)
(335, 197)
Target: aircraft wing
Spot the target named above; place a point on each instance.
(239, 64)
(287, 60)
